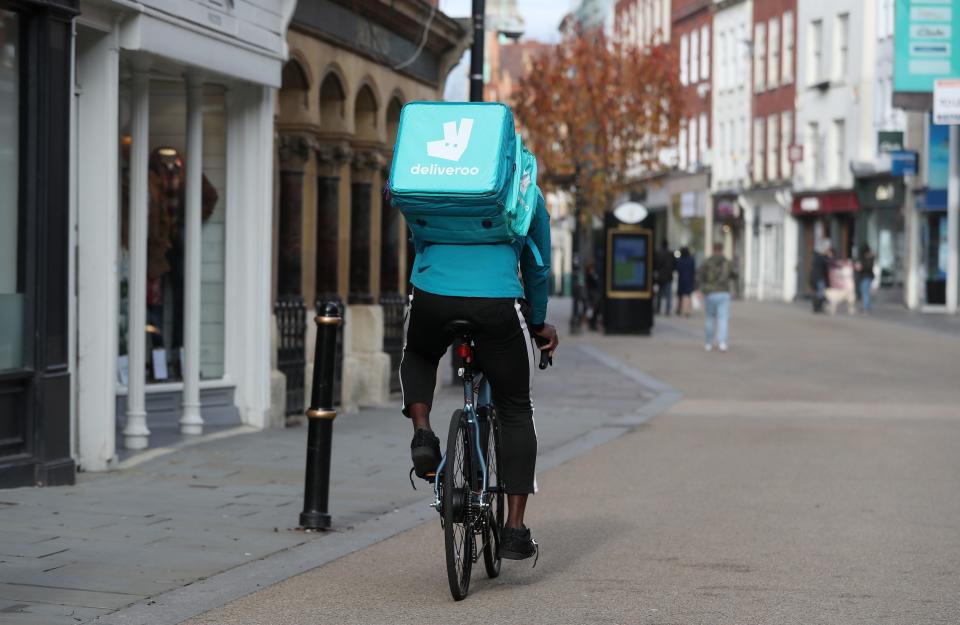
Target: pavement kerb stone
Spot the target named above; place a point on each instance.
(183, 603)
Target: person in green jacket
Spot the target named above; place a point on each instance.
(714, 277)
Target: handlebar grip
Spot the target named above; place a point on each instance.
(546, 359)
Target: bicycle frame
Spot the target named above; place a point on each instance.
(476, 394)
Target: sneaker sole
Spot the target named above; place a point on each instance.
(515, 555)
(424, 462)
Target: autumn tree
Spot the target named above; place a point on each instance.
(598, 114)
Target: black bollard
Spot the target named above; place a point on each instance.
(320, 416)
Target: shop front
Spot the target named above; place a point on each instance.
(829, 216)
(689, 213)
(35, 377)
(174, 166)
(880, 225)
(769, 245)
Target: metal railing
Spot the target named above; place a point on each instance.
(291, 313)
(394, 306)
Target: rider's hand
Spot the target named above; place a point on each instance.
(548, 333)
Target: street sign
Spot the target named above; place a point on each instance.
(927, 44)
(946, 102)
(795, 153)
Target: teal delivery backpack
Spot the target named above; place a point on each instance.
(460, 173)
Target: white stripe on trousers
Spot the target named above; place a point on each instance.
(531, 366)
(406, 327)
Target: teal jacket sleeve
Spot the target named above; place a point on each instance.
(535, 262)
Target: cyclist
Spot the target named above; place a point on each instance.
(480, 284)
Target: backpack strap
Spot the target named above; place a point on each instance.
(536, 251)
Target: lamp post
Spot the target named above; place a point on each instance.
(476, 52)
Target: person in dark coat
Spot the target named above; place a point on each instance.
(663, 266)
(820, 275)
(686, 280)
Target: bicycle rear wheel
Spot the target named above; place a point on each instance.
(491, 546)
(457, 524)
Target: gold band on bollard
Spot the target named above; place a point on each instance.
(319, 413)
(329, 321)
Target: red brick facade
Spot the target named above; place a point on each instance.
(779, 98)
(689, 17)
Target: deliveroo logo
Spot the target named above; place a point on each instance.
(450, 148)
(454, 142)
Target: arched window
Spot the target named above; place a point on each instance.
(333, 100)
(294, 87)
(365, 115)
(393, 119)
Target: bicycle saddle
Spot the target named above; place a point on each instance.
(459, 327)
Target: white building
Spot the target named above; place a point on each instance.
(173, 169)
(731, 106)
(836, 80)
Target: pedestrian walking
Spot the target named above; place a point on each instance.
(865, 276)
(593, 295)
(714, 277)
(820, 274)
(686, 280)
(663, 266)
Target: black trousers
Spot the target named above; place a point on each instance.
(504, 352)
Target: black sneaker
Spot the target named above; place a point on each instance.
(516, 544)
(425, 451)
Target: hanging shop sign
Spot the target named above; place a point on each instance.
(903, 163)
(927, 45)
(879, 192)
(946, 101)
(889, 141)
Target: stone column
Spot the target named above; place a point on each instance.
(331, 157)
(390, 225)
(364, 167)
(294, 153)
(191, 421)
(366, 376)
(136, 435)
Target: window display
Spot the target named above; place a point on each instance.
(165, 238)
(11, 252)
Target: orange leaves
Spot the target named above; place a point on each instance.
(599, 114)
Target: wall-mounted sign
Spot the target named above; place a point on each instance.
(810, 204)
(946, 101)
(927, 45)
(889, 141)
(795, 153)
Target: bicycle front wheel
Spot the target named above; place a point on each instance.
(457, 523)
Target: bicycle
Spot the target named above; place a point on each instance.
(468, 491)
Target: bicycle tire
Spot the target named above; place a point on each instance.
(491, 546)
(457, 525)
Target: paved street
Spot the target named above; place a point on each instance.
(808, 476)
(70, 554)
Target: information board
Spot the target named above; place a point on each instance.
(630, 264)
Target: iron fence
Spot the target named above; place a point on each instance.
(394, 307)
(291, 313)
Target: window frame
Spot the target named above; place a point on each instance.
(788, 45)
(773, 53)
(759, 56)
(684, 59)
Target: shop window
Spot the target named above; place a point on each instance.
(167, 229)
(11, 222)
